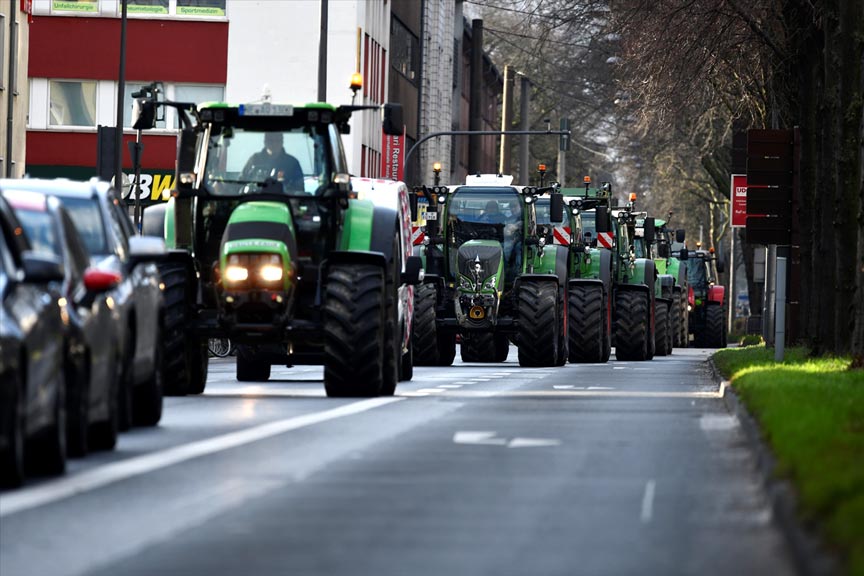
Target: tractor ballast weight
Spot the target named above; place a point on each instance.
(492, 276)
(280, 250)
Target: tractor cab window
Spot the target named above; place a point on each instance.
(477, 213)
(697, 273)
(294, 161)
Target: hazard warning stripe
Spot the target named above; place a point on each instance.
(604, 239)
(417, 235)
(561, 235)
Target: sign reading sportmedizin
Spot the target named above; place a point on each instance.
(738, 193)
(393, 156)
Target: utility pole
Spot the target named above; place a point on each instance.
(121, 89)
(322, 55)
(504, 161)
(524, 126)
(475, 122)
(563, 147)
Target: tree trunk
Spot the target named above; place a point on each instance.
(855, 10)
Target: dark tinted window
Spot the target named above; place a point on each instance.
(41, 231)
(88, 221)
(78, 257)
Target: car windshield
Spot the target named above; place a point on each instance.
(88, 221)
(41, 232)
(242, 161)
(487, 214)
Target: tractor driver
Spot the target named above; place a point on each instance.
(492, 213)
(273, 162)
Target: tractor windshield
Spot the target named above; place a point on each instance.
(478, 213)
(295, 161)
(697, 273)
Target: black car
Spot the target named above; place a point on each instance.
(93, 355)
(32, 346)
(114, 248)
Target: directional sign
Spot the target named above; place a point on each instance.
(768, 196)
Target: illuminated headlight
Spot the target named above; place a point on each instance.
(271, 273)
(491, 283)
(689, 308)
(465, 283)
(236, 274)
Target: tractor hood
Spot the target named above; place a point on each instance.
(480, 262)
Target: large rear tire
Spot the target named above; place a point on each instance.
(424, 340)
(538, 323)
(631, 325)
(185, 358)
(662, 328)
(585, 331)
(563, 350)
(354, 330)
(714, 326)
(479, 347)
(392, 332)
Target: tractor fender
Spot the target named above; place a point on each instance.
(716, 294)
(370, 228)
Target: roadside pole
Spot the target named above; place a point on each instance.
(780, 327)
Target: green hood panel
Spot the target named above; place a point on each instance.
(262, 212)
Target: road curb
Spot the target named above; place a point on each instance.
(810, 555)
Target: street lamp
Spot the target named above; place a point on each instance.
(436, 168)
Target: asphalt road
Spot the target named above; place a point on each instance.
(624, 468)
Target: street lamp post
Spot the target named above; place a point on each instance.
(436, 168)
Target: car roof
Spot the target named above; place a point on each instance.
(57, 186)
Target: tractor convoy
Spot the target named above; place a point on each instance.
(274, 245)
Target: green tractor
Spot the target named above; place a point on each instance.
(492, 276)
(707, 322)
(589, 287)
(273, 249)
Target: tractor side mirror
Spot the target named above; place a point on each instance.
(683, 254)
(556, 208)
(601, 219)
(143, 113)
(187, 148)
(721, 266)
(648, 231)
(413, 274)
(663, 250)
(391, 122)
(412, 202)
(679, 235)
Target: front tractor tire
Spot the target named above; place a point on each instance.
(354, 330)
(185, 358)
(484, 347)
(250, 368)
(632, 323)
(586, 334)
(538, 324)
(663, 328)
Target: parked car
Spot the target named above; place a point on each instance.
(110, 239)
(32, 376)
(93, 355)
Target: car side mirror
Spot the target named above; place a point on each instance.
(42, 269)
(721, 267)
(146, 248)
(412, 202)
(679, 235)
(391, 121)
(413, 273)
(98, 281)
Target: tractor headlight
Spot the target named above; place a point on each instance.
(491, 283)
(236, 273)
(465, 283)
(270, 273)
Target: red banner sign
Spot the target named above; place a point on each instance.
(393, 157)
(738, 194)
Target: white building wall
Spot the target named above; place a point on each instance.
(275, 43)
(436, 100)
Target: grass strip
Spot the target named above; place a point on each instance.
(811, 411)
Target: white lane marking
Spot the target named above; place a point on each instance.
(567, 387)
(619, 368)
(599, 388)
(477, 437)
(717, 422)
(430, 391)
(111, 473)
(533, 442)
(450, 386)
(648, 502)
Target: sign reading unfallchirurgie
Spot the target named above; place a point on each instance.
(74, 6)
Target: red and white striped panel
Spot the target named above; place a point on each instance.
(417, 235)
(604, 239)
(561, 235)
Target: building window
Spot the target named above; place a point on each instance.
(197, 94)
(404, 51)
(201, 7)
(72, 103)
